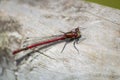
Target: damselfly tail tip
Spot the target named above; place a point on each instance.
(14, 52)
(17, 51)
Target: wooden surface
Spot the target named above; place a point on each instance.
(99, 53)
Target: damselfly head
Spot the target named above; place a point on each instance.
(78, 33)
(77, 29)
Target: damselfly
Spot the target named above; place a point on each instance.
(73, 35)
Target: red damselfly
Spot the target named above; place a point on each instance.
(73, 35)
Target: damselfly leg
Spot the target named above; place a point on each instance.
(64, 47)
(74, 44)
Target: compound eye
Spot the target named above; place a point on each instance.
(77, 29)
